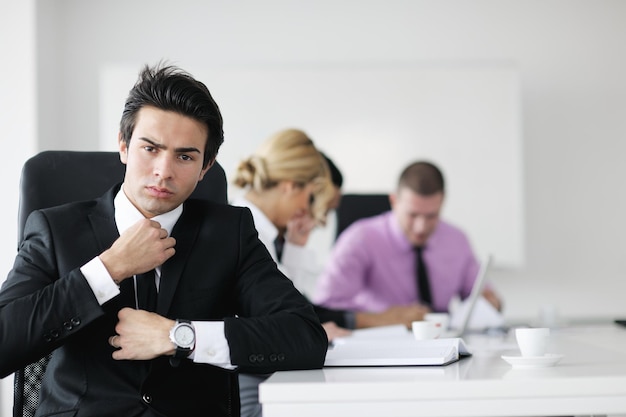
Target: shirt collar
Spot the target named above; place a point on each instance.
(126, 214)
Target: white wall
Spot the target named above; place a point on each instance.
(571, 63)
(17, 129)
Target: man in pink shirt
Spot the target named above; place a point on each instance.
(373, 264)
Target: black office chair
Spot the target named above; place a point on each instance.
(357, 206)
(56, 177)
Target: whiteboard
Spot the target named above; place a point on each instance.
(374, 120)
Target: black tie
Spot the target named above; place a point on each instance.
(279, 244)
(423, 286)
(146, 291)
(127, 293)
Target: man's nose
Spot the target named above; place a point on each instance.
(419, 224)
(163, 167)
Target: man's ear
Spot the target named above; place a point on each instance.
(123, 149)
(205, 170)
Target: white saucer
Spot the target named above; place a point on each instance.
(549, 359)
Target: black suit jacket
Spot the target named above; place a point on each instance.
(220, 271)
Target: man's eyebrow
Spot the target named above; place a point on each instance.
(153, 143)
(177, 150)
(187, 150)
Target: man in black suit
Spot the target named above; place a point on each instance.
(168, 344)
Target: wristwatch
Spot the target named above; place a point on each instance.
(183, 335)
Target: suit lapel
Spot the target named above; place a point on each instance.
(186, 232)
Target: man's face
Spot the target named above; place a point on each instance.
(417, 215)
(163, 160)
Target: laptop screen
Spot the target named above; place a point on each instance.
(475, 294)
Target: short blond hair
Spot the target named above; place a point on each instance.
(288, 155)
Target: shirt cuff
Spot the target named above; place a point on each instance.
(211, 344)
(98, 278)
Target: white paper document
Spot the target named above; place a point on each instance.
(483, 315)
(394, 351)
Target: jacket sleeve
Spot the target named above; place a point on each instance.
(277, 328)
(39, 308)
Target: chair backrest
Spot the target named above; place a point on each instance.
(51, 178)
(357, 206)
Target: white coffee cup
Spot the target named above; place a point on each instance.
(441, 320)
(424, 330)
(532, 341)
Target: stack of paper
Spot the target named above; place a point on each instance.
(396, 348)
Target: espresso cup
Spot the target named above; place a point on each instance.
(424, 330)
(441, 320)
(532, 342)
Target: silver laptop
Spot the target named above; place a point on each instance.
(475, 294)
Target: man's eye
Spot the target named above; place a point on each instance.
(149, 148)
(186, 158)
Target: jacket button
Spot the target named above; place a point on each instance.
(147, 398)
(273, 357)
(75, 321)
(281, 357)
(252, 358)
(68, 325)
(260, 357)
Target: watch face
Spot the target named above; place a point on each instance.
(184, 336)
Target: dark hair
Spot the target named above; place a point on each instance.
(422, 178)
(170, 88)
(335, 174)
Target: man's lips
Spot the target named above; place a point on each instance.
(159, 191)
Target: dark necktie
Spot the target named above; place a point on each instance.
(423, 285)
(127, 293)
(279, 244)
(146, 291)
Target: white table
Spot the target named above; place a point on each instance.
(589, 380)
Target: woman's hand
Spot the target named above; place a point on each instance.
(299, 229)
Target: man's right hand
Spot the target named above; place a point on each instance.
(142, 247)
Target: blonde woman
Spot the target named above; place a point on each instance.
(288, 189)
